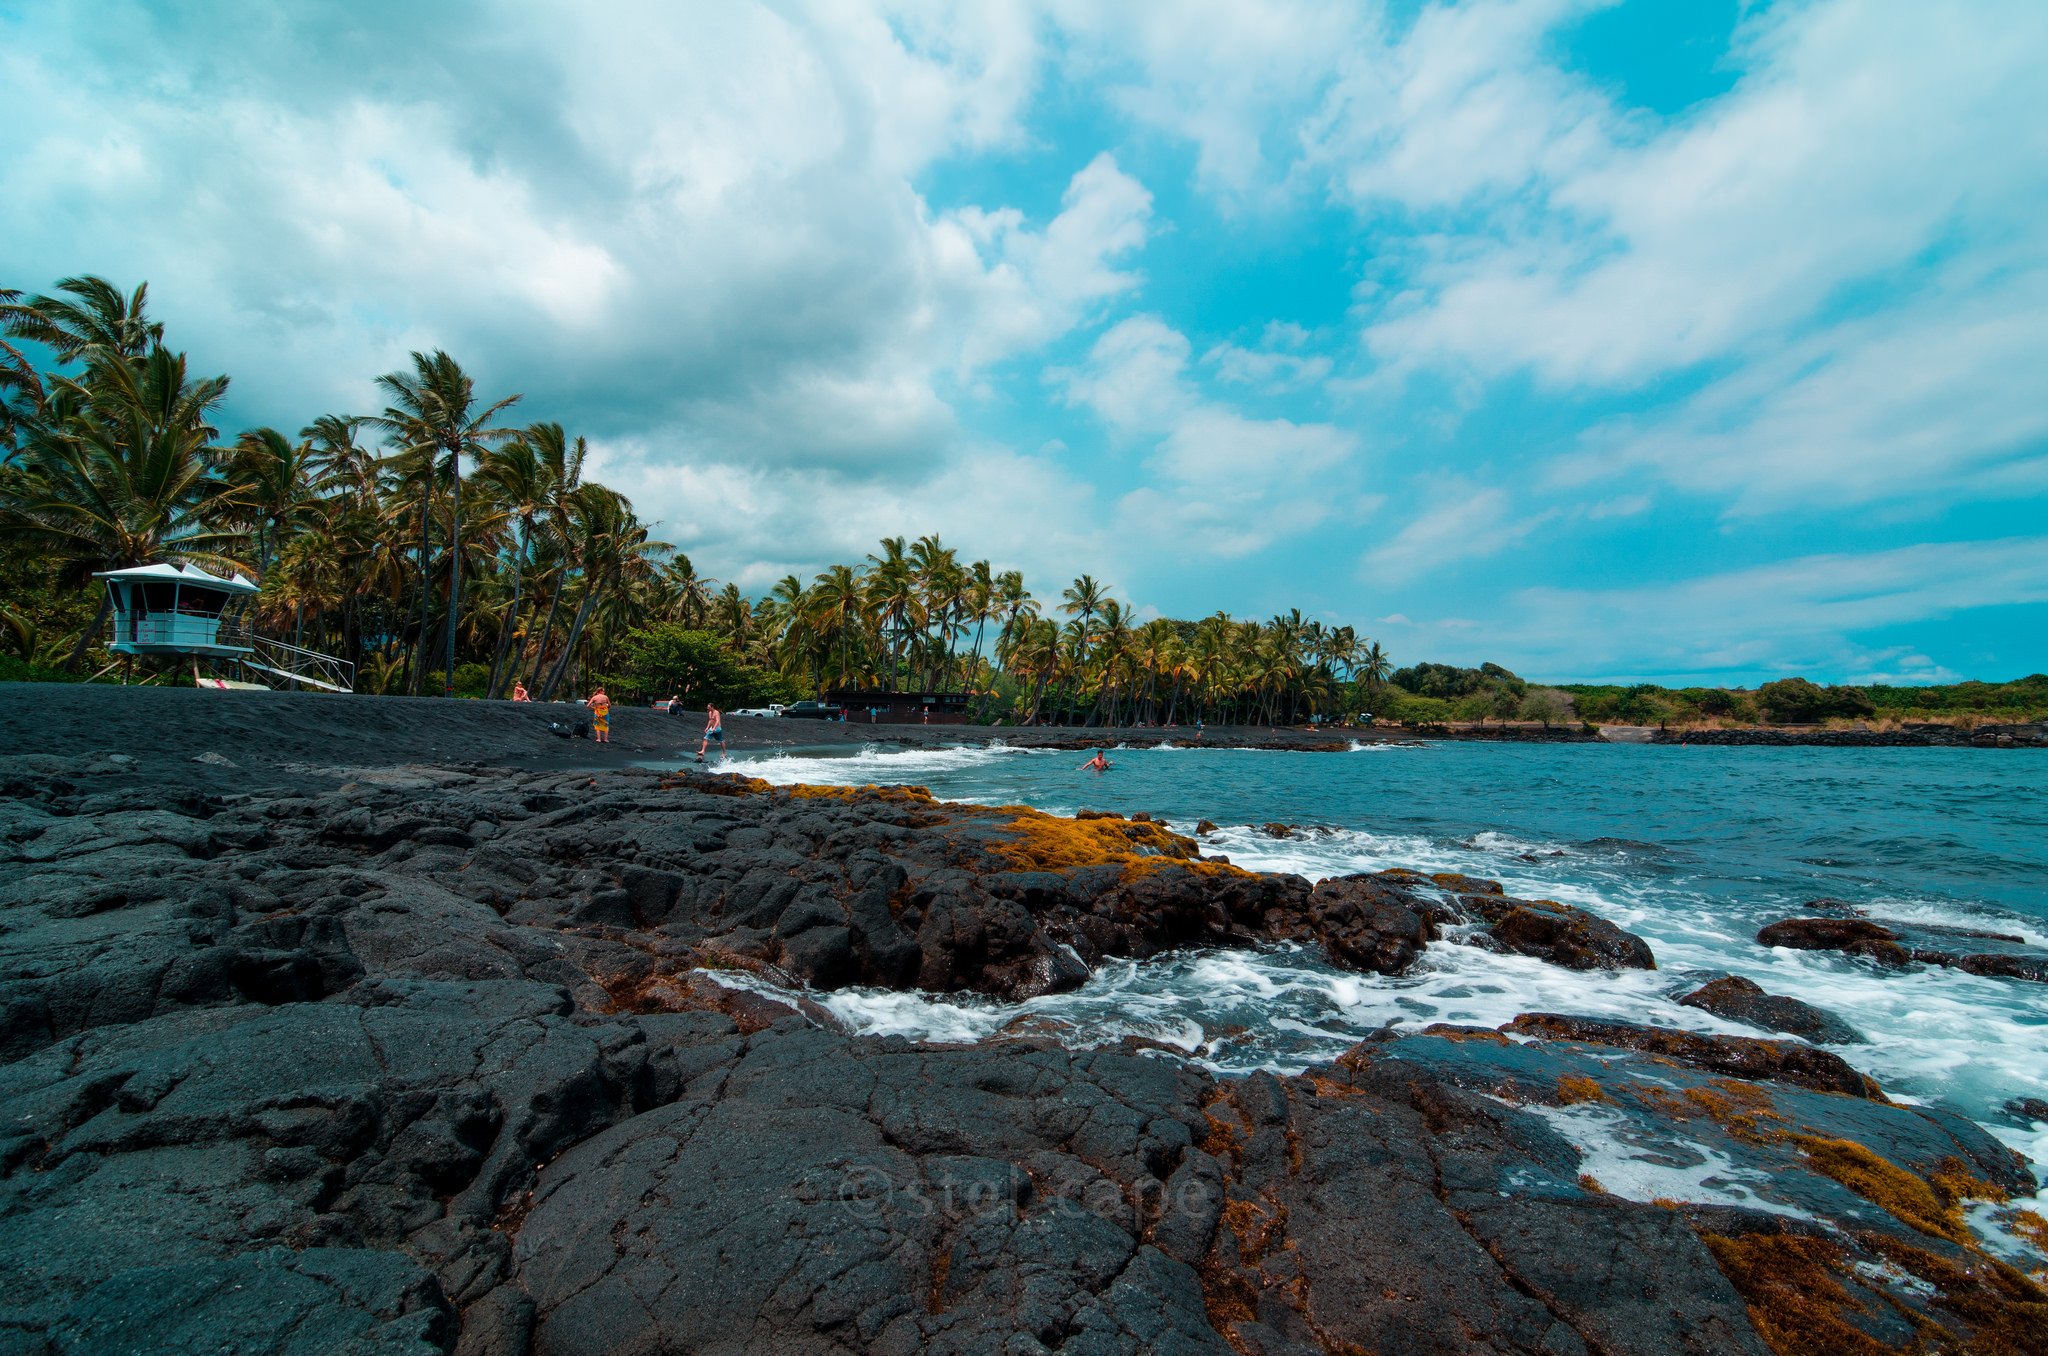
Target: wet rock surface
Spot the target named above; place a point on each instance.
(1898, 945)
(1743, 1000)
(428, 1059)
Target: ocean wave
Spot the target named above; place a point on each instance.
(882, 767)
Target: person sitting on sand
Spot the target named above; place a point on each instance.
(1096, 764)
(714, 731)
(519, 693)
(600, 717)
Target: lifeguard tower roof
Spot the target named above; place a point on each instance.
(183, 574)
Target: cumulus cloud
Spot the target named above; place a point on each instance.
(1463, 522)
(1848, 234)
(1222, 483)
(1797, 615)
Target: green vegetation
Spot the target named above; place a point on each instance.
(668, 660)
(1796, 701)
(442, 548)
(1437, 694)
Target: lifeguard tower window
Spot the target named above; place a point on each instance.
(161, 598)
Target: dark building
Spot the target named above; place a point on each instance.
(903, 708)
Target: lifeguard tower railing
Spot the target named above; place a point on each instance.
(276, 659)
(270, 661)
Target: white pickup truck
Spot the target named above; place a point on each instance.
(772, 709)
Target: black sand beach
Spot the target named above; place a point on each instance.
(403, 1026)
(284, 734)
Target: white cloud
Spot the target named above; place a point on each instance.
(710, 223)
(1850, 235)
(756, 524)
(1222, 484)
(1939, 402)
(1011, 289)
(1466, 522)
(1232, 79)
(1862, 136)
(1796, 615)
(1276, 366)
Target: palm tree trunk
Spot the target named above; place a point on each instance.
(91, 632)
(454, 569)
(583, 611)
(415, 664)
(511, 621)
(547, 630)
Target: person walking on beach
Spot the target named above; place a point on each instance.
(600, 717)
(519, 693)
(714, 732)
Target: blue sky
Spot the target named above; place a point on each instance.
(1694, 341)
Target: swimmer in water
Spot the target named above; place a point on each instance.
(1096, 764)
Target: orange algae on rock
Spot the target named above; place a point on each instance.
(1575, 1088)
(912, 795)
(2007, 1311)
(1904, 1195)
(2030, 1226)
(1791, 1286)
(1043, 842)
(723, 785)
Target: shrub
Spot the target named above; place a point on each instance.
(13, 670)
(667, 660)
(1796, 701)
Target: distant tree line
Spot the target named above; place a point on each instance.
(446, 548)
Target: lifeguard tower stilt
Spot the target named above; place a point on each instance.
(181, 611)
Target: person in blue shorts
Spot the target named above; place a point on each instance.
(714, 731)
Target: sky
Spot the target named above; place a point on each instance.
(1604, 339)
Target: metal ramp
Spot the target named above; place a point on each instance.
(293, 677)
(288, 664)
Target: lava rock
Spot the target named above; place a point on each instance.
(1851, 936)
(1742, 1000)
(1559, 933)
(1738, 1056)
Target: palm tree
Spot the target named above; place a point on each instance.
(837, 597)
(734, 614)
(339, 462)
(979, 601)
(1373, 664)
(434, 412)
(272, 482)
(120, 471)
(91, 317)
(522, 474)
(564, 461)
(610, 545)
(892, 591)
(1082, 599)
(21, 386)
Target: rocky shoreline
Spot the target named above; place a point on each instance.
(362, 1051)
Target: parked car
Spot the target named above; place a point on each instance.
(814, 711)
(772, 709)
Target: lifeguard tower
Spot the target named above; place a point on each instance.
(182, 612)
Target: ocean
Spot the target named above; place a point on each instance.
(1693, 848)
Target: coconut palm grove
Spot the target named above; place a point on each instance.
(450, 544)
